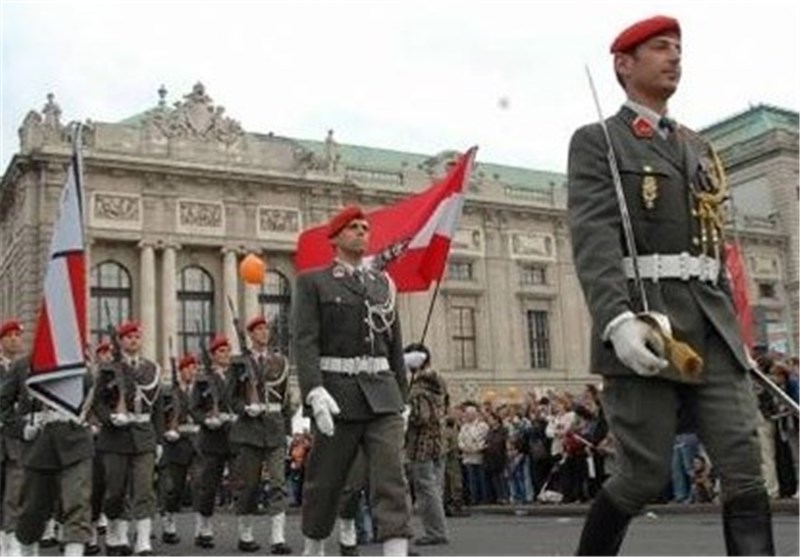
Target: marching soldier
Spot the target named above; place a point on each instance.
(353, 382)
(102, 356)
(127, 405)
(657, 263)
(57, 468)
(180, 442)
(258, 394)
(209, 408)
(11, 424)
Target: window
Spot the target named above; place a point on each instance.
(110, 298)
(459, 270)
(539, 338)
(767, 290)
(462, 325)
(275, 300)
(195, 309)
(532, 275)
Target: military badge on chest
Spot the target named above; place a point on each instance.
(649, 188)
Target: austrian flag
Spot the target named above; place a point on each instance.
(58, 364)
(411, 238)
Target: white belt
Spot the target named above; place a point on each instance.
(188, 428)
(274, 407)
(678, 266)
(364, 364)
(140, 418)
(43, 417)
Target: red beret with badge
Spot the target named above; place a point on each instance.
(127, 328)
(255, 322)
(102, 347)
(643, 30)
(186, 361)
(11, 326)
(218, 342)
(343, 218)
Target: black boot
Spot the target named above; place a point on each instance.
(747, 525)
(604, 529)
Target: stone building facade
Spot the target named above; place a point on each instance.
(177, 195)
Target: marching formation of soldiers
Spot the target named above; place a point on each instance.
(145, 439)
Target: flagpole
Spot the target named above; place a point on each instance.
(430, 312)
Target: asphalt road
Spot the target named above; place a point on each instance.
(508, 534)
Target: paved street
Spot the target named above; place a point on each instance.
(507, 534)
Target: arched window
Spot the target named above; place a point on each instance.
(275, 300)
(110, 288)
(195, 309)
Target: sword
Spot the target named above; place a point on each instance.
(680, 354)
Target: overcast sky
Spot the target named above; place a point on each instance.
(418, 76)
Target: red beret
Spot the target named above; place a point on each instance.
(102, 346)
(218, 342)
(10, 326)
(640, 31)
(343, 218)
(128, 327)
(255, 322)
(186, 361)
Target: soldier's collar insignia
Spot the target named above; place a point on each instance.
(338, 271)
(642, 128)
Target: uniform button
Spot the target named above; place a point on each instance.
(696, 241)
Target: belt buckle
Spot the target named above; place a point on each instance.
(656, 267)
(684, 259)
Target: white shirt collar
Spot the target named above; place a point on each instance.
(648, 114)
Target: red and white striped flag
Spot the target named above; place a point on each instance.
(413, 235)
(58, 363)
(734, 265)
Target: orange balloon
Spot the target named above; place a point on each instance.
(252, 269)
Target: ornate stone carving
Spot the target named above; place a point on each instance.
(205, 216)
(278, 221)
(532, 245)
(116, 210)
(468, 240)
(332, 154)
(195, 118)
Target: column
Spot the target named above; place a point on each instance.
(230, 283)
(147, 295)
(251, 305)
(169, 305)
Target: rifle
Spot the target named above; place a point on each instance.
(173, 405)
(246, 366)
(205, 357)
(116, 348)
(112, 376)
(209, 402)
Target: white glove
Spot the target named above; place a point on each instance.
(324, 408)
(254, 409)
(212, 422)
(29, 432)
(119, 419)
(638, 346)
(159, 453)
(171, 435)
(406, 413)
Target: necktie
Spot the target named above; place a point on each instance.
(667, 125)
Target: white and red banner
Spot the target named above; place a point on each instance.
(58, 363)
(734, 265)
(418, 230)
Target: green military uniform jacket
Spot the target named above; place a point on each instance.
(177, 417)
(208, 397)
(141, 388)
(665, 226)
(269, 429)
(16, 404)
(331, 320)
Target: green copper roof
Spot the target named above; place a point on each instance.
(397, 161)
(751, 123)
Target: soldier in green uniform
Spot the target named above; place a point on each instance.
(209, 408)
(353, 382)
(258, 395)
(673, 183)
(180, 445)
(57, 467)
(127, 405)
(11, 429)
